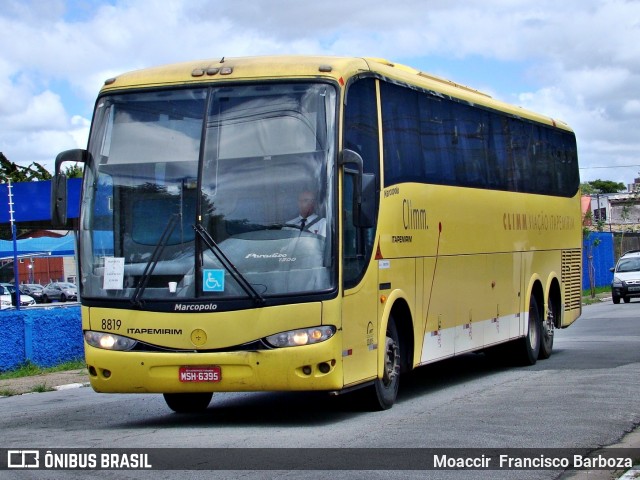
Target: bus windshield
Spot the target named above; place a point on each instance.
(193, 194)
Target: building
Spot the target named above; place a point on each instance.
(41, 259)
(616, 212)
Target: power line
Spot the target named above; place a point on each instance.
(609, 166)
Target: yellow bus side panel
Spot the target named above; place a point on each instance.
(474, 303)
(360, 329)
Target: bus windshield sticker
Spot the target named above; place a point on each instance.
(113, 273)
(213, 280)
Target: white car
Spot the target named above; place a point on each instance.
(626, 277)
(7, 290)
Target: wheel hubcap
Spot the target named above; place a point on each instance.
(549, 324)
(533, 332)
(392, 361)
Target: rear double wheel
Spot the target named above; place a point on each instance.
(529, 348)
(547, 330)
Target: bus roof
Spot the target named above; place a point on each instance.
(301, 66)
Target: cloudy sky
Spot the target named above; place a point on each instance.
(576, 60)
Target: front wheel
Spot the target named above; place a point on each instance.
(382, 395)
(616, 299)
(626, 299)
(188, 402)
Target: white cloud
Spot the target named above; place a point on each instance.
(579, 58)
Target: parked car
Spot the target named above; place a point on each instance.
(61, 291)
(7, 291)
(32, 289)
(626, 277)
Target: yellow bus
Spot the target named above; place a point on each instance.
(437, 221)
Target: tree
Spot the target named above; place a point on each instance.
(74, 171)
(587, 189)
(590, 244)
(604, 186)
(16, 173)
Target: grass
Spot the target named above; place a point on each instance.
(605, 289)
(28, 369)
(42, 388)
(586, 295)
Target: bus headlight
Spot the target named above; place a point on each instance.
(303, 336)
(109, 341)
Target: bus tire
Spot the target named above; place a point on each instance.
(384, 391)
(546, 330)
(188, 402)
(530, 345)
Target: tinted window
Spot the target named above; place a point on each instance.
(360, 135)
(434, 139)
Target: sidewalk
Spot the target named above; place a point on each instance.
(44, 382)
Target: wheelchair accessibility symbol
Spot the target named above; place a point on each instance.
(213, 280)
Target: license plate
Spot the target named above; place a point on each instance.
(634, 289)
(200, 374)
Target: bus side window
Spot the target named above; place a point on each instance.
(361, 136)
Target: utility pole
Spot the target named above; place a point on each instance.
(15, 246)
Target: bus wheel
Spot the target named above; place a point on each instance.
(188, 402)
(530, 345)
(546, 340)
(385, 389)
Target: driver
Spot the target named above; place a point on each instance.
(308, 220)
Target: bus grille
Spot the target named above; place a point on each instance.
(572, 278)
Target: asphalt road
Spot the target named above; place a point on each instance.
(585, 396)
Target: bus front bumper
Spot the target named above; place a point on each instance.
(310, 367)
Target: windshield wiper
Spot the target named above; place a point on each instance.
(228, 265)
(153, 261)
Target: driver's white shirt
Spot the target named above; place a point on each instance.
(318, 228)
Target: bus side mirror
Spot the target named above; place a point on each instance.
(59, 200)
(59, 186)
(364, 202)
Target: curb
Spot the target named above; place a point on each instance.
(71, 386)
(68, 386)
(632, 474)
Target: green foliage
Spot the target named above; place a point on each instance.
(41, 388)
(29, 369)
(602, 186)
(587, 189)
(74, 171)
(16, 173)
(590, 245)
